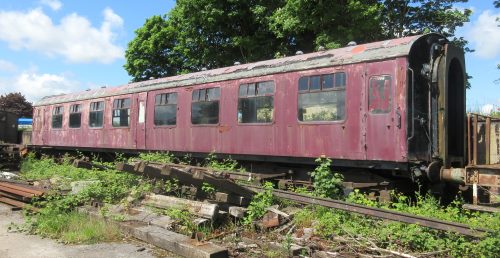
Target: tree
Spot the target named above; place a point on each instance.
(306, 25)
(199, 34)
(151, 53)
(496, 3)
(404, 17)
(16, 103)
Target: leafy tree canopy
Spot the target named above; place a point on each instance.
(16, 103)
(198, 34)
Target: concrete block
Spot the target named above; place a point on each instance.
(237, 212)
(176, 243)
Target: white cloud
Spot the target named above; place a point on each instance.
(486, 109)
(484, 34)
(35, 86)
(53, 4)
(6, 66)
(74, 37)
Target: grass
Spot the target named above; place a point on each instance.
(57, 217)
(75, 228)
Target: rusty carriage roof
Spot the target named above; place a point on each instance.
(347, 55)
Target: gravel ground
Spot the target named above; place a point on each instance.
(15, 244)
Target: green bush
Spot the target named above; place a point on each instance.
(326, 183)
(161, 157)
(228, 164)
(259, 203)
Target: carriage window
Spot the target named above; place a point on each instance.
(96, 114)
(256, 102)
(205, 106)
(121, 113)
(322, 97)
(166, 109)
(75, 116)
(379, 95)
(57, 117)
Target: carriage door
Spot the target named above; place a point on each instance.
(381, 140)
(46, 118)
(141, 120)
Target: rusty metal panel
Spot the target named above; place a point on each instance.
(483, 175)
(483, 139)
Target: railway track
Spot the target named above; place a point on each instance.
(377, 212)
(195, 175)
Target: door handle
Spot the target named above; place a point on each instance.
(398, 119)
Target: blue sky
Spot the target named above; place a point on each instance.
(54, 46)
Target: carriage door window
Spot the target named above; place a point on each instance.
(57, 117)
(121, 112)
(96, 114)
(256, 102)
(75, 116)
(205, 106)
(166, 109)
(322, 97)
(379, 95)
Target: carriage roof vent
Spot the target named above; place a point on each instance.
(321, 48)
(237, 63)
(299, 53)
(352, 44)
(152, 78)
(204, 69)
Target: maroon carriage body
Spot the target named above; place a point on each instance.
(374, 125)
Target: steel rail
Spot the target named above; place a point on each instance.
(377, 212)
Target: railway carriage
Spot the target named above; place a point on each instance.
(395, 106)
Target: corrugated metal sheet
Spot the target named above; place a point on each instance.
(348, 55)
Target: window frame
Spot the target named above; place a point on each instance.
(72, 112)
(273, 121)
(176, 109)
(390, 106)
(54, 108)
(344, 88)
(102, 112)
(121, 98)
(205, 89)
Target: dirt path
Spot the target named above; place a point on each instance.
(14, 244)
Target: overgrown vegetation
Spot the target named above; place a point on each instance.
(162, 157)
(73, 227)
(326, 183)
(57, 217)
(228, 164)
(259, 203)
(365, 233)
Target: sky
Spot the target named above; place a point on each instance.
(51, 47)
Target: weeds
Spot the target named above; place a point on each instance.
(184, 219)
(225, 165)
(208, 189)
(259, 203)
(74, 228)
(161, 157)
(57, 218)
(325, 182)
(409, 238)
